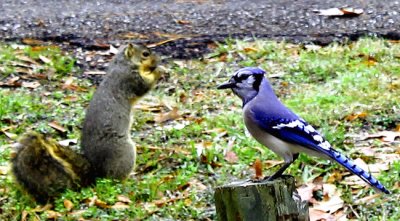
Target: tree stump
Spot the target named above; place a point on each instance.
(268, 201)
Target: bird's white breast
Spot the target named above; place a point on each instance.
(278, 146)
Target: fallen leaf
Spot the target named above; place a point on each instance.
(68, 205)
(120, 206)
(4, 170)
(339, 12)
(366, 199)
(183, 22)
(51, 214)
(319, 215)
(24, 215)
(171, 115)
(94, 73)
(12, 82)
(306, 191)
(10, 135)
(123, 199)
(70, 85)
(386, 136)
(99, 44)
(231, 157)
(57, 126)
(313, 47)
(133, 35)
(215, 130)
(113, 50)
(272, 163)
(162, 42)
(32, 42)
(101, 204)
(249, 49)
(334, 177)
(353, 116)
(68, 142)
(44, 59)
(32, 84)
(26, 59)
(332, 205)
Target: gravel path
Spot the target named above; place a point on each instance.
(192, 24)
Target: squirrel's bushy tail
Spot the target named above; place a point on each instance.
(44, 168)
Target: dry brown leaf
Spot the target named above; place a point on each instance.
(57, 126)
(32, 85)
(12, 82)
(32, 42)
(171, 115)
(101, 204)
(149, 107)
(24, 215)
(272, 163)
(215, 130)
(197, 184)
(332, 201)
(306, 191)
(386, 136)
(70, 85)
(22, 70)
(249, 49)
(162, 42)
(133, 35)
(339, 12)
(124, 199)
(10, 135)
(51, 214)
(334, 177)
(4, 170)
(26, 59)
(42, 208)
(120, 206)
(397, 128)
(68, 205)
(94, 73)
(183, 22)
(231, 157)
(319, 215)
(366, 199)
(44, 59)
(353, 116)
(113, 50)
(312, 47)
(68, 142)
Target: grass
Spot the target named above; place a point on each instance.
(344, 90)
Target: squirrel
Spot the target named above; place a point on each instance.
(43, 168)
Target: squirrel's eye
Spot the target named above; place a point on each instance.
(145, 54)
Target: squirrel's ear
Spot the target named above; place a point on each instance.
(129, 50)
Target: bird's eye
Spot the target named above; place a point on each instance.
(145, 54)
(241, 77)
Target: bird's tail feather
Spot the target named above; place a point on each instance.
(356, 170)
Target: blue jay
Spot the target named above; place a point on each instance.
(278, 128)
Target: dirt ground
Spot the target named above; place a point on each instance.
(189, 26)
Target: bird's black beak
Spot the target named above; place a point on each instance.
(226, 85)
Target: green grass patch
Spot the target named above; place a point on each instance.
(344, 90)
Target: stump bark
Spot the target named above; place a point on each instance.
(267, 201)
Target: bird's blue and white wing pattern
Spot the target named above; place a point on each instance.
(297, 131)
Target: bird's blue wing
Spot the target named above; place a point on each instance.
(292, 129)
(295, 130)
